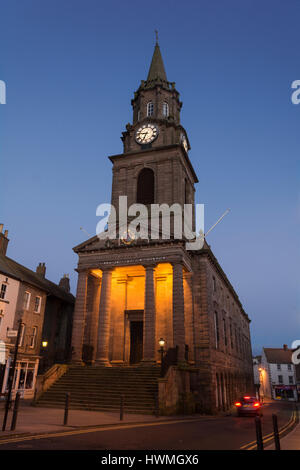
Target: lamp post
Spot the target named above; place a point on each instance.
(161, 342)
(11, 376)
(261, 381)
(44, 346)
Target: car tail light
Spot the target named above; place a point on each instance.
(238, 403)
(256, 404)
(247, 398)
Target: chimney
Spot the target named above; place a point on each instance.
(41, 270)
(64, 283)
(285, 347)
(3, 240)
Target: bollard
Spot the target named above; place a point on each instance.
(121, 407)
(259, 438)
(15, 412)
(67, 403)
(276, 433)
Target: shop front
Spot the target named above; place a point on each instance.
(285, 392)
(24, 377)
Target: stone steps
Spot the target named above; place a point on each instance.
(100, 388)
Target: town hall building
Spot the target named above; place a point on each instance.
(133, 292)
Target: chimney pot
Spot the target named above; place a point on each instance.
(3, 241)
(64, 283)
(41, 270)
(285, 347)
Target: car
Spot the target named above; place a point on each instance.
(248, 405)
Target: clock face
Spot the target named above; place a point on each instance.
(146, 134)
(184, 142)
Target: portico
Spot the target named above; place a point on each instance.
(122, 311)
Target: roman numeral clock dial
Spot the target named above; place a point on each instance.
(146, 134)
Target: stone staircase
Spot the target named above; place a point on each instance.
(100, 388)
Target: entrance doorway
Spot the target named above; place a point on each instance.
(136, 342)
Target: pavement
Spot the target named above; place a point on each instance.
(39, 420)
(289, 442)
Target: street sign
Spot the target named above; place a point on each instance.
(12, 333)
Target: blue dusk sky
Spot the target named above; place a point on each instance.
(71, 68)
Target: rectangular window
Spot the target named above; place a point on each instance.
(225, 331)
(291, 379)
(3, 291)
(22, 335)
(214, 285)
(217, 330)
(280, 379)
(33, 337)
(231, 335)
(278, 366)
(289, 366)
(37, 304)
(26, 300)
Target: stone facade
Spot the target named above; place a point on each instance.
(129, 295)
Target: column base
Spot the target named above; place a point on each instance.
(102, 363)
(77, 362)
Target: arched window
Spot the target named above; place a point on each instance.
(145, 187)
(165, 109)
(150, 108)
(139, 115)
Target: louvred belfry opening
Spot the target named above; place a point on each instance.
(145, 187)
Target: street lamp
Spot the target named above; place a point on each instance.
(261, 381)
(161, 342)
(43, 359)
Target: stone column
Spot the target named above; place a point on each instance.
(102, 357)
(95, 316)
(149, 316)
(178, 311)
(79, 317)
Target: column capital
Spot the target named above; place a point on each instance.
(82, 270)
(177, 265)
(150, 266)
(106, 269)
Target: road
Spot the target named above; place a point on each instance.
(211, 433)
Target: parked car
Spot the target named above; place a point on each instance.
(248, 405)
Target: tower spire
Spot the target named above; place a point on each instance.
(157, 68)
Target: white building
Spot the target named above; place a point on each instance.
(256, 373)
(278, 374)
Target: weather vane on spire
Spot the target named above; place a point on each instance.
(156, 35)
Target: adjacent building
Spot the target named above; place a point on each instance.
(39, 304)
(278, 374)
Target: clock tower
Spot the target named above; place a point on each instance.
(133, 295)
(154, 166)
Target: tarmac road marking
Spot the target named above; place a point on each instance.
(95, 429)
(268, 437)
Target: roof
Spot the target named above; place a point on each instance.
(278, 355)
(13, 269)
(157, 68)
